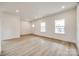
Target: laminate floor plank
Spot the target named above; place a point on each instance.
(31, 45)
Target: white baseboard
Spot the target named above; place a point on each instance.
(54, 38)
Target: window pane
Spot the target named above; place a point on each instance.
(43, 25)
(59, 26)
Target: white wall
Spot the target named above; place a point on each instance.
(25, 27)
(70, 26)
(0, 31)
(11, 26)
(78, 27)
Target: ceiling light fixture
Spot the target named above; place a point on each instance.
(17, 11)
(63, 7)
(33, 25)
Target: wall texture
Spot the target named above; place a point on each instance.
(25, 27)
(70, 27)
(11, 26)
(0, 31)
(78, 27)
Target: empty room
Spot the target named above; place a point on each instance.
(39, 28)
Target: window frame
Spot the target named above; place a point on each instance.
(43, 27)
(60, 25)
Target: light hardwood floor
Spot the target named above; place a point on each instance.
(32, 45)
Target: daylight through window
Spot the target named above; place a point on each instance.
(59, 26)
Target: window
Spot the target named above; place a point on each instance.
(59, 26)
(43, 27)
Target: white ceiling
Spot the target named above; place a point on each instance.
(33, 10)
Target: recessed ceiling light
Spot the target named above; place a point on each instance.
(33, 25)
(63, 7)
(17, 11)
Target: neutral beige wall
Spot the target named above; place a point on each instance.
(11, 26)
(25, 27)
(70, 26)
(77, 27)
(0, 31)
